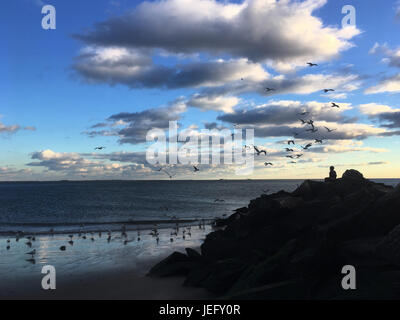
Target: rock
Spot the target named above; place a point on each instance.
(293, 245)
(352, 174)
(193, 254)
(174, 265)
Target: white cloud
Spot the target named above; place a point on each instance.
(391, 85)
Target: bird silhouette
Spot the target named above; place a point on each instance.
(334, 105)
(327, 90)
(329, 130)
(196, 169)
(269, 89)
(289, 150)
(99, 148)
(259, 151)
(310, 64)
(268, 164)
(307, 146)
(318, 141)
(290, 142)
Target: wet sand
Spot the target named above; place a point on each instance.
(96, 269)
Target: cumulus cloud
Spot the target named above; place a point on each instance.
(292, 33)
(74, 164)
(135, 68)
(390, 84)
(132, 127)
(391, 56)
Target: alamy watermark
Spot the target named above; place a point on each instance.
(49, 20)
(206, 146)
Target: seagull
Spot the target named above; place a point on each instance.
(310, 64)
(293, 162)
(289, 150)
(290, 142)
(329, 130)
(196, 169)
(269, 89)
(327, 90)
(299, 155)
(307, 146)
(334, 105)
(318, 141)
(291, 157)
(268, 164)
(302, 121)
(310, 122)
(99, 148)
(31, 253)
(259, 151)
(63, 248)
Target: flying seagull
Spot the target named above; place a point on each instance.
(291, 157)
(303, 121)
(327, 90)
(329, 130)
(268, 164)
(290, 142)
(307, 146)
(99, 148)
(318, 141)
(289, 150)
(259, 151)
(310, 64)
(269, 89)
(299, 155)
(334, 105)
(196, 169)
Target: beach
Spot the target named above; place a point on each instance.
(96, 269)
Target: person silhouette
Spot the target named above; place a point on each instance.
(332, 174)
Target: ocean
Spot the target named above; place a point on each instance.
(72, 206)
(83, 209)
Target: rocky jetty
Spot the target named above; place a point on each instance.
(294, 245)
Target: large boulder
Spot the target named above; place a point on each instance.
(353, 174)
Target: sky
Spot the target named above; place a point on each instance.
(112, 70)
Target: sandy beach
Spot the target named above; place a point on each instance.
(96, 269)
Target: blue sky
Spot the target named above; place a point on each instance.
(59, 84)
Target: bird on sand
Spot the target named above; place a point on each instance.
(310, 64)
(32, 253)
(259, 151)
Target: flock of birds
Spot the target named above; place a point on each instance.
(177, 232)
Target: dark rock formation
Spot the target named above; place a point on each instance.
(294, 245)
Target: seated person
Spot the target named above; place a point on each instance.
(332, 174)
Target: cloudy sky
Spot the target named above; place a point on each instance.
(115, 69)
